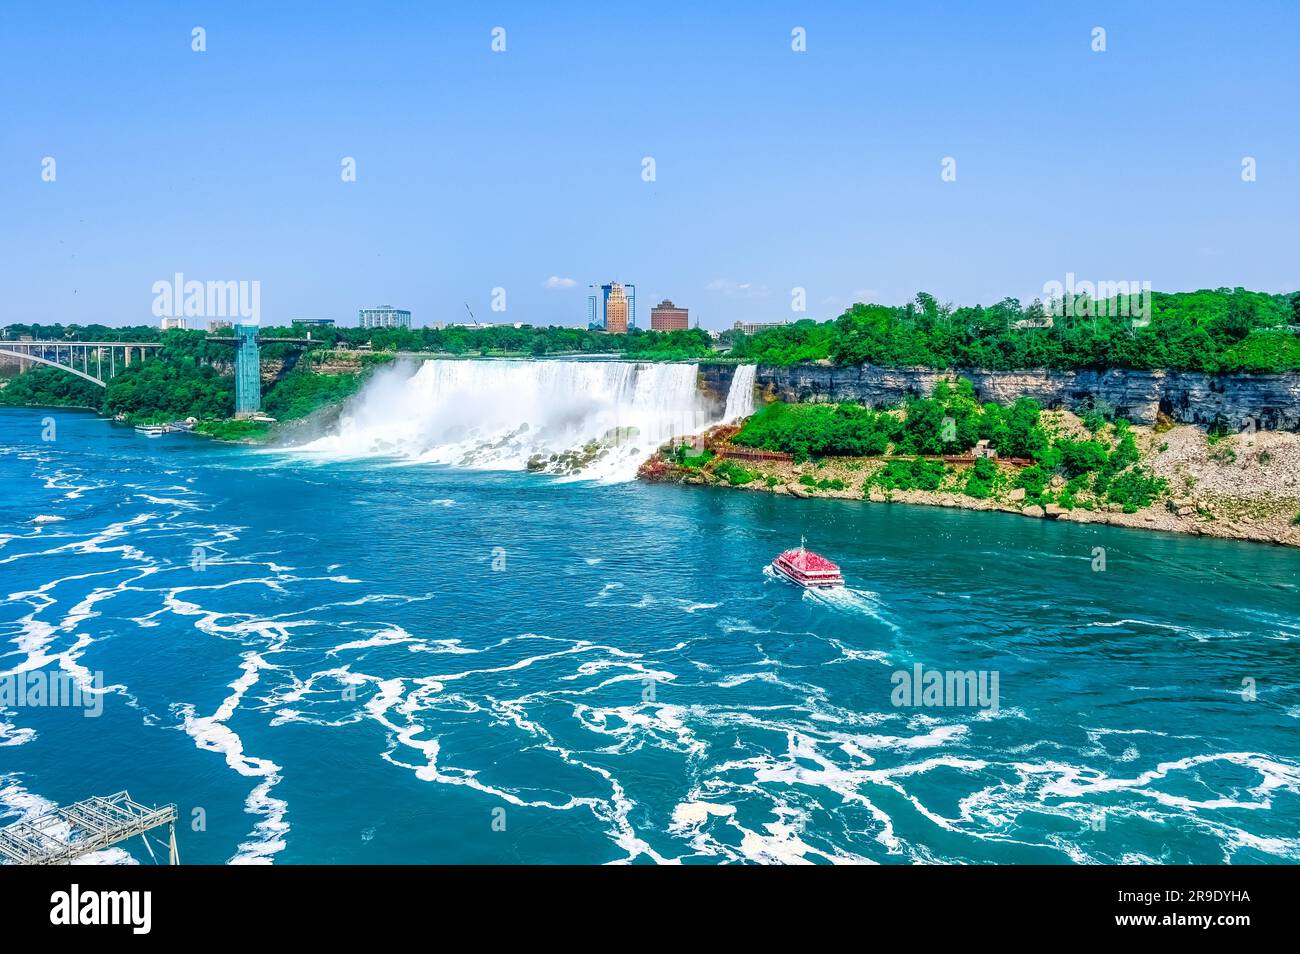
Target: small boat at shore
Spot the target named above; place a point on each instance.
(806, 568)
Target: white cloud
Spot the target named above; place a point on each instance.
(737, 289)
(555, 281)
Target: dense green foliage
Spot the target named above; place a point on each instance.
(805, 340)
(42, 386)
(188, 377)
(949, 422)
(1105, 465)
(683, 456)
(733, 472)
(805, 430)
(174, 382)
(61, 332)
(233, 430)
(1214, 330)
(1072, 471)
(526, 340)
(915, 474)
(1081, 457)
(983, 479)
(301, 392)
(496, 339)
(1135, 488)
(1220, 330)
(164, 390)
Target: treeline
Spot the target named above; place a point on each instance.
(496, 340)
(46, 387)
(191, 374)
(1220, 330)
(950, 421)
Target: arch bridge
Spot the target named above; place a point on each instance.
(95, 361)
(77, 357)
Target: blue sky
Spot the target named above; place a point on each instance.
(774, 169)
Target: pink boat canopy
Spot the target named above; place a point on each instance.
(807, 568)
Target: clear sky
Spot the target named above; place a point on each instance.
(774, 169)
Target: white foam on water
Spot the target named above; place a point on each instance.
(847, 599)
(212, 734)
(10, 735)
(693, 814)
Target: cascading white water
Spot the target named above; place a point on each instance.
(740, 396)
(588, 419)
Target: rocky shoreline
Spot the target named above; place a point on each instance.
(1240, 487)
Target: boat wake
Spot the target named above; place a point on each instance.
(845, 599)
(848, 599)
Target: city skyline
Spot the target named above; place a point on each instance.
(769, 168)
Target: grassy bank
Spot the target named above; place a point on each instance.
(1087, 468)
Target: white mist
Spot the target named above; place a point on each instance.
(496, 414)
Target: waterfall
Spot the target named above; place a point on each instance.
(583, 419)
(740, 397)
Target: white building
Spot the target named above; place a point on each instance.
(385, 316)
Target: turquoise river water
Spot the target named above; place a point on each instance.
(380, 660)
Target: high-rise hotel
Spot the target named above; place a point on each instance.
(666, 316)
(385, 316)
(616, 311)
(612, 307)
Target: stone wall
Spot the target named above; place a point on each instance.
(1271, 400)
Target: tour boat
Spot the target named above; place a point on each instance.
(806, 568)
(151, 430)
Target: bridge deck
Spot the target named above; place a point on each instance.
(60, 343)
(91, 825)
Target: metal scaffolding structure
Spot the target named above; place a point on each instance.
(248, 365)
(94, 824)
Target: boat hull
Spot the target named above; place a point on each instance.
(807, 580)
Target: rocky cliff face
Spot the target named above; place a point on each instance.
(714, 382)
(1271, 401)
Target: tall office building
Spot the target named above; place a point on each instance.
(598, 305)
(666, 316)
(616, 311)
(385, 316)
